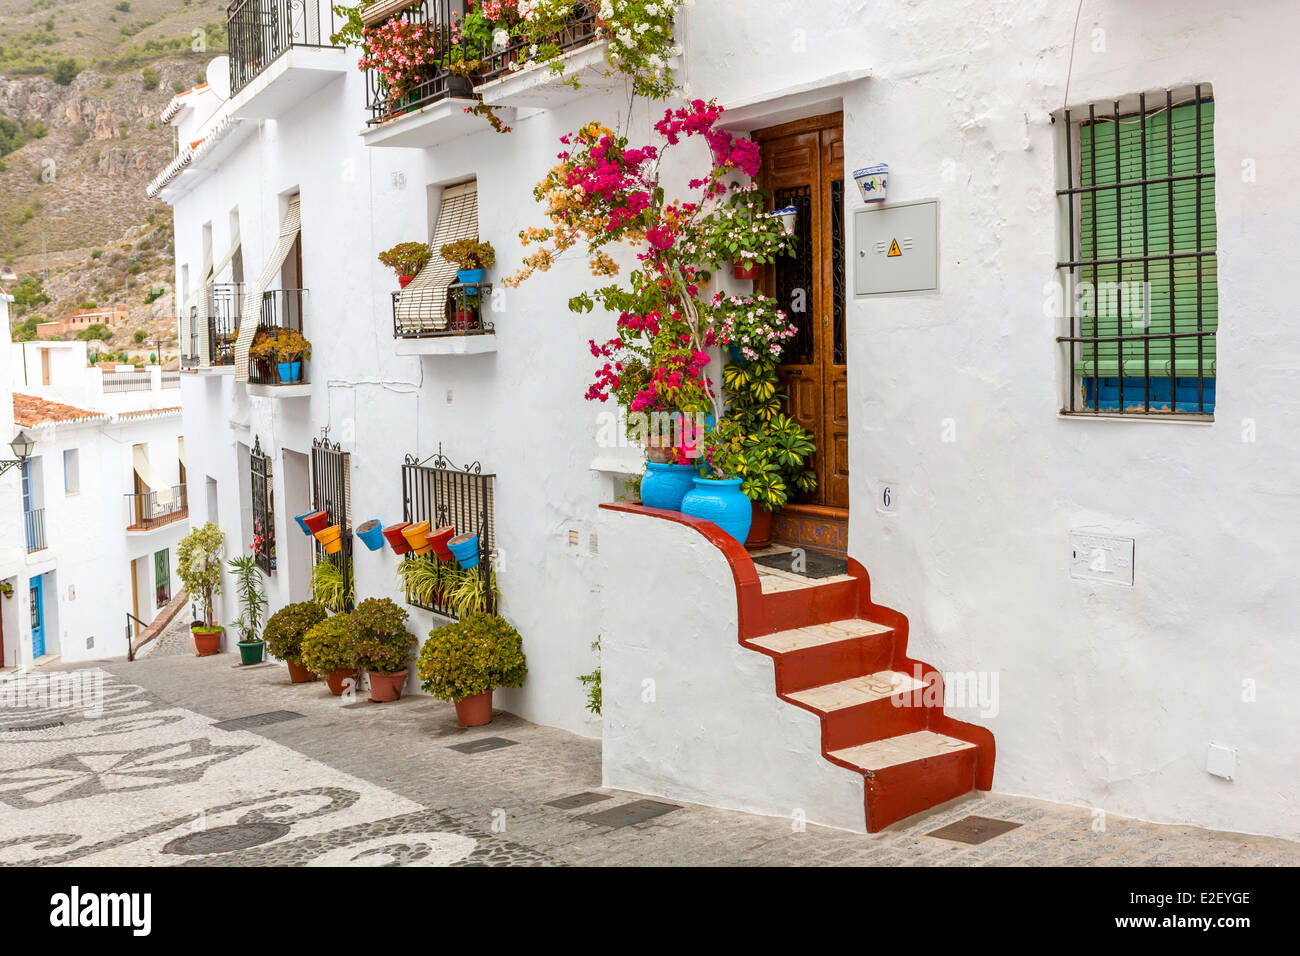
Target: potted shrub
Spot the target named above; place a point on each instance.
(332, 585)
(406, 259)
(198, 565)
(464, 662)
(290, 349)
(330, 649)
(471, 259)
(252, 601)
(383, 646)
(284, 633)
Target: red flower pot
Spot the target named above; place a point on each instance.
(474, 711)
(404, 281)
(336, 679)
(316, 521)
(299, 674)
(206, 643)
(740, 272)
(760, 528)
(439, 538)
(386, 687)
(461, 321)
(395, 540)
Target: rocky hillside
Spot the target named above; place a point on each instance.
(81, 85)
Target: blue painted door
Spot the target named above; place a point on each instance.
(38, 619)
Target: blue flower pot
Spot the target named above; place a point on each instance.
(664, 486)
(372, 533)
(302, 524)
(723, 503)
(290, 372)
(470, 278)
(737, 356)
(464, 547)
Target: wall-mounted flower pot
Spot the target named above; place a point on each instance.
(337, 680)
(745, 270)
(404, 281)
(474, 711)
(722, 502)
(788, 216)
(417, 536)
(465, 548)
(470, 278)
(664, 486)
(290, 372)
(207, 640)
(314, 521)
(387, 687)
(331, 539)
(872, 181)
(371, 534)
(250, 652)
(302, 522)
(438, 538)
(394, 535)
(299, 674)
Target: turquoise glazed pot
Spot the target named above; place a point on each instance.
(372, 534)
(723, 503)
(465, 548)
(664, 486)
(470, 278)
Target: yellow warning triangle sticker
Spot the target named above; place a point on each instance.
(894, 250)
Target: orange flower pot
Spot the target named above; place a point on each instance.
(299, 674)
(474, 711)
(387, 687)
(207, 643)
(337, 681)
(331, 539)
(417, 536)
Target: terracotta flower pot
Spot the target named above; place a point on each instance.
(461, 321)
(438, 539)
(417, 536)
(743, 270)
(207, 642)
(386, 687)
(474, 711)
(760, 528)
(316, 521)
(335, 680)
(394, 535)
(299, 674)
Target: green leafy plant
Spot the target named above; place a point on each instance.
(469, 254)
(407, 258)
(383, 643)
(332, 584)
(198, 565)
(421, 576)
(330, 645)
(770, 460)
(471, 657)
(251, 596)
(592, 683)
(280, 345)
(286, 627)
(465, 594)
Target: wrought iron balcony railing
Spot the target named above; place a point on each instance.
(225, 300)
(420, 313)
(34, 526)
(259, 31)
(282, 309)
(144, 510)
(127, 382)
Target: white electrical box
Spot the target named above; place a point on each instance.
(1096, 557)
(896, 248)
(1221, 761)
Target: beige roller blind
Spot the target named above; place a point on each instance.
(421, 306)
(151, 478)
(211, 276)
(382, 10)
(252, 309)
(198, 297)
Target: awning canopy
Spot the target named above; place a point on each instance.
(151, 478)
(251, 312)
(422, 305)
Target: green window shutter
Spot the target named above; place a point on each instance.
(1111, 226)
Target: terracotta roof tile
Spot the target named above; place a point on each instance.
(30, 410)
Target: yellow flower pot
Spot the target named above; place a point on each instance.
(417, 536)
(331, 539)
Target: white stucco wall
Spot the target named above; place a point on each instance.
(1109, 695)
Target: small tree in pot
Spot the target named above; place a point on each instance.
(198, 565)
(284, 633)
(406, 259)
(465, 661)
(330, 649)
(252, 601)
(383, 646)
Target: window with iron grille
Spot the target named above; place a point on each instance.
(263, 497)
(331, 492)
(1139, 275)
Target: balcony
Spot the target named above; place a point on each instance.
(190, 350)
(431, 321)
(117, 382)
(225, 302)
(148, 510)
(280, 54)
(282, 309)
(432, 108)
(34, 528)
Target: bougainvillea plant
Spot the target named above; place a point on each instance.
(604, 192)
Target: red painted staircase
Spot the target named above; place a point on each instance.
(843, 658)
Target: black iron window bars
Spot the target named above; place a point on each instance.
(461, 309)
(437, 491)
(331, 492)
(262, 488)
(474, 65)
(1139, 280)
(225, 300)
(259, 31)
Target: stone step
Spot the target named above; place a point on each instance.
(896, 751)
(825, 653)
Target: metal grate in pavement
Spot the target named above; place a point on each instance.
(586, 798)
(256, 720)
(31, 728)
(974, 830)
(482, 745)
(638, 811)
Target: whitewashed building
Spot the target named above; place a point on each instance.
(1061, 513)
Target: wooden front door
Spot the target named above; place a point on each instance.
(803, 166)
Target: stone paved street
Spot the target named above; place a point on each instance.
(152, 781)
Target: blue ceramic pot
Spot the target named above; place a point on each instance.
(470, 278)
(723, 503)
(302, 524)
(664, 486)
(737, 356)
(372, 533)
(290, 372)
(465, 549)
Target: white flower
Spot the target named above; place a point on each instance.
(501, 39)
(606, 9)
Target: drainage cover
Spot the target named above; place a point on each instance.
(638, 811)
(482, 745)
(578, 800)
(257, 720)
(974, 830)
(227, 839)
(807, 562)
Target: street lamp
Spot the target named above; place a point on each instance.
(22, 446)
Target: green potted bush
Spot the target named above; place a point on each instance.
(383, 646)
(330, 649)
(252, 602)
(471, 259)
(465, 661)
(406, 259)
(198, 565)
(284, 633)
